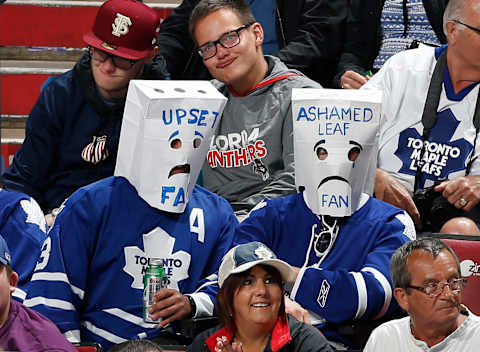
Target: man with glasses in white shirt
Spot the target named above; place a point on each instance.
(73, 130)
(428, 285)
(251, 155)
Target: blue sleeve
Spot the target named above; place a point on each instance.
(60, 278)
(24, 230)
(258, 225)
(29, 170)
(340, 295)
(224, 241)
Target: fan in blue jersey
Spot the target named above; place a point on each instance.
(23, 227)
(89, 279)
(338, 238)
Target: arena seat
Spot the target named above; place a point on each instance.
(467, 248)
(88, 347)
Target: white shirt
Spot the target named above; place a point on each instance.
(405, 79)
(396, 336)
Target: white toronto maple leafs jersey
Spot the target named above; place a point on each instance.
(405, 79)
(89, 278)
(352, 280)
(22, 225)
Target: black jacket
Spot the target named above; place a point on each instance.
(294, 337)
(364, 33)
(310, 34)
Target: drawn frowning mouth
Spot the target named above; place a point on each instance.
(179, 169)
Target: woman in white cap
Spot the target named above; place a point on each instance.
(251, 307)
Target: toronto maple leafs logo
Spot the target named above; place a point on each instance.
(441, 157)
(34, 213)
(157, 244)
(263, 252)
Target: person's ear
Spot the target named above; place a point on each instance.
(452, 31)
(401, 297)
(13, 281)
(258, 32)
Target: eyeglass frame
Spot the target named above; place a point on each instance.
(475, 29)
(218, 41)
(112, 57)
(423, 289)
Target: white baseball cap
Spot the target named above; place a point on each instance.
(245, 256)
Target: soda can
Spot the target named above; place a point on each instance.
(153, 280)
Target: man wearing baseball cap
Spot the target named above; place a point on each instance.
(22, 329)
(73, 130)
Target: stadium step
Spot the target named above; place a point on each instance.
(40, 39)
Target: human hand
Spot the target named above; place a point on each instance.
(296, 310)
(462, 192)
(170, 305)
(390, 190)
(296, 270)
(353, 80)
(224, 346)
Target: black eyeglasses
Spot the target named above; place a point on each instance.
(119, 62)
(434, 289)
(475, 29)
(227, 40)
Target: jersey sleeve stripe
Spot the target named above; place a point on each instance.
(49, 302)
(204, 304)
(297, 283)
(73, 336)
(42, 276)
(131, 318)
(103, 333)
(387, 289)
(362, 294)
(20, 294)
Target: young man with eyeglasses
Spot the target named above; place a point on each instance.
(338, 238)
(429, 138)
(73, 130)
(428, 285)
(251, 155)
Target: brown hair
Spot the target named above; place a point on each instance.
(226, 294)
(206, 7)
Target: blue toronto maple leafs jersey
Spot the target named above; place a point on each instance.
(22, 225)
(350, 281)
(89, 279)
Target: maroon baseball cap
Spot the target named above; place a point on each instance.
(125, 28)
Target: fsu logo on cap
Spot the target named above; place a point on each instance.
(95, 151)
(120, 25)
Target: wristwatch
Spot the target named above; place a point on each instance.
(193, 306)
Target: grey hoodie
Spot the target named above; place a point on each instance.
(251, 154)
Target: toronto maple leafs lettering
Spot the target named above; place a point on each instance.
(157, 244)
(238, 149)
(441, 155)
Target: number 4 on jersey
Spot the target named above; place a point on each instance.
(197, 223)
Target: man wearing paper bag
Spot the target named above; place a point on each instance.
(338, 237)
(89, 279)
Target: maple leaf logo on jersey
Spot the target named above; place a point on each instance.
(34, 213)
(157, 244)
(441, 157)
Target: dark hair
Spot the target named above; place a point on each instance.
(206, 7)
(136, 346)
(7, 267)
(224, 299)
(401, 277)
